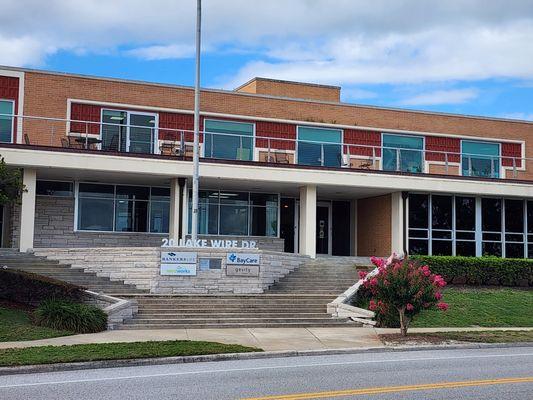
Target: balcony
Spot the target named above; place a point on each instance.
(139, 135)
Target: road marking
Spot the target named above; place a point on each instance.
(393, 389)
(169, 374)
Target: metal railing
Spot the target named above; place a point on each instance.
(117, 137)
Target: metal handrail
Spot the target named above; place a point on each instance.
(181, 133)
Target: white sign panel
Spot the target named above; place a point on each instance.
(242, 270)
(242, 259)
(173, 257)
(178, 269)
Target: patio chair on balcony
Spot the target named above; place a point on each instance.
(282, 158)
(26, 139)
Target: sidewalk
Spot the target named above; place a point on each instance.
(268, 339)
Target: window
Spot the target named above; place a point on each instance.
(319, 146)
(465, 226)
(418, 224)
(123, 208)
(449, 225)
(480, 159)
(233, 142)
(126, 131)
(236, 213)
(54, 188)
(7, 107)
(491, 226)
(403, 153)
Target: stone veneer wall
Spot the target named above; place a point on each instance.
(54, 227)
(140, 267)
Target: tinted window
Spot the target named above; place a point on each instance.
(53, 188)
(491, 214)
(418, 211)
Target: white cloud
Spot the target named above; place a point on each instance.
(349, 42)
(357, 94)
(162, 52)
(454, 96)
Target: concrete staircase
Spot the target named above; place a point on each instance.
(323, 275)
(64, 272)
(298, 300)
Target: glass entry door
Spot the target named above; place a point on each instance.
(323, 228)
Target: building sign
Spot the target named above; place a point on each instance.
(173, 257)
(210, 243)
(178, 263)
(242, 270)
(242, 259)
(206, 264)
(178, 269)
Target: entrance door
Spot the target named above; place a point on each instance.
(287, 225)
(323, 228)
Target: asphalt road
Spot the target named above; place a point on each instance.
(442, 374)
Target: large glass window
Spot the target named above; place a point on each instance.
(319, 146)
(514, 228)
(441, 225)
(6, 122)
(465, 226)
(233, 142)
(418, 224)
(403, 153)
(480, 159)
(128, 131)
(236, 213)
(491, 226)
(123, 208)
(529, 229)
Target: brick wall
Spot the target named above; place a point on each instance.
(295, 90)
(47, 94)
(374, 226)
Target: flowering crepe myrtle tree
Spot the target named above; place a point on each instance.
(405, 286)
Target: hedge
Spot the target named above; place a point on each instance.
(481, 270)
(28, 288)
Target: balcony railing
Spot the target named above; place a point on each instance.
(270, 149)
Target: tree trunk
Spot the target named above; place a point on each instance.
(404, 321)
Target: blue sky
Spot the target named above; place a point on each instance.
(471, 57)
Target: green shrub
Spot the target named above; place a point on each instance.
(69, 316)
(27, 288)
(481, 270)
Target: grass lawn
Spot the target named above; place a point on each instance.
(446, 337)
(115, 351)
(15, 325)
(481, 307)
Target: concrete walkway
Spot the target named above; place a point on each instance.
(268, 339)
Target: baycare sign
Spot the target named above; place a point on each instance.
(242, 259)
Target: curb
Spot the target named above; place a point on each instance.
(31, 369)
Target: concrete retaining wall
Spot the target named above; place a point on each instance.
(140, 267)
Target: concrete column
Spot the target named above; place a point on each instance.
(175, 209)
(307, 234)
(185, 211)
(27, 210)
(397, 228)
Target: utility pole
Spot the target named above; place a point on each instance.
(196, 154)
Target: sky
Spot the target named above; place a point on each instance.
(460, 56)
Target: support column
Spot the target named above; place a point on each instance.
(307, 234)
(397, 226)
(185, 210)
(175, 209)
(27, 210)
